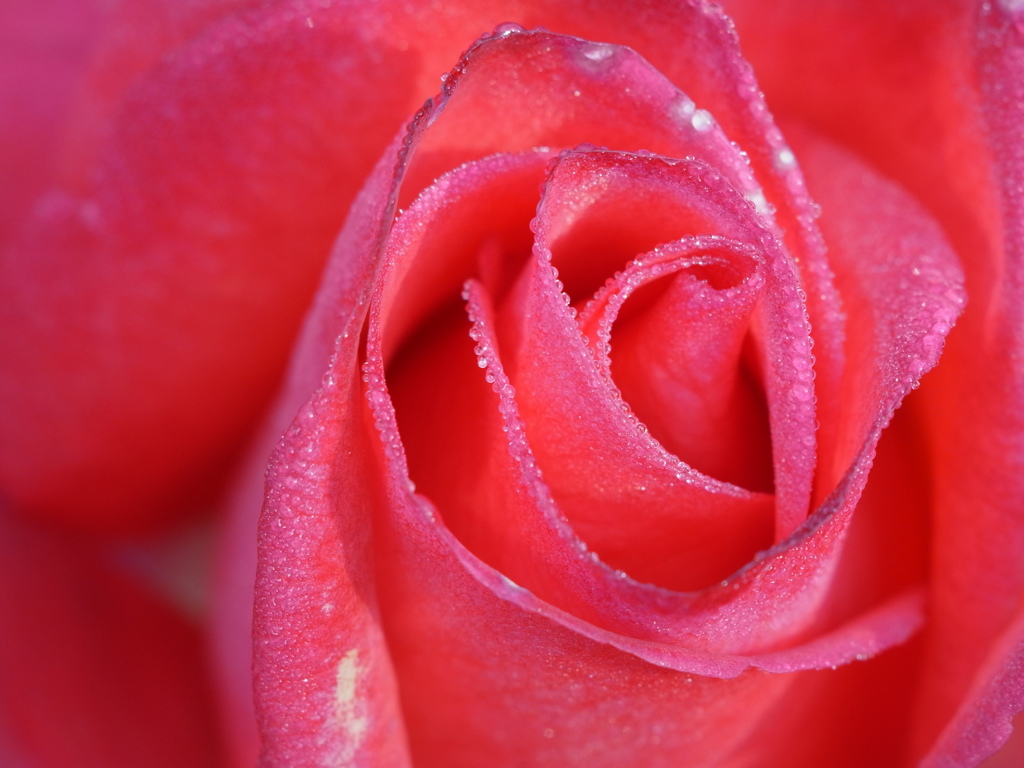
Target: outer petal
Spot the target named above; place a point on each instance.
(932, 96)
(152, 295)
(352, 717)
(879, 244)
(333, 700)
(43, 52)
(967, 563)
(93, 670)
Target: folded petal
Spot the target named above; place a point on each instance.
(935, 102)
(329, 698)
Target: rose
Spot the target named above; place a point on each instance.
(133, 217)
(337, 694)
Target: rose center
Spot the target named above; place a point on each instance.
(684, 359)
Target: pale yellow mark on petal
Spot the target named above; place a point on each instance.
(350, 721)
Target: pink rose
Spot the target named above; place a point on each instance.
(587, 400)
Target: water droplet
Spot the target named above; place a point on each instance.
(598, 51)
(761, 204)
(683, 108)
(785, 158)
(702, 120)
(509, 28)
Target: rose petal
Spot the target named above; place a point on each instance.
(42, 55)
(148, 321)
(978, 585)
(982, 723)
(679, 370)
(330, 698)
(679, 354)
(933, 103)
(94, 670)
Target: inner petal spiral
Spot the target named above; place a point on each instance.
(662, 510)
(676, 325)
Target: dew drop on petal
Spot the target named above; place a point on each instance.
(702, 120)
(509, 28)
(598, 51)
(785, 158)
(682, 109)
(761, 204)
